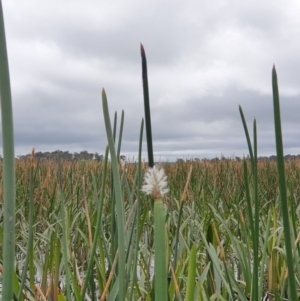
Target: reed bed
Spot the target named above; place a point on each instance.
(213, 223)
(106, 231)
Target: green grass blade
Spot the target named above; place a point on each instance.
(254, 224)
(191, 275)
(133, 278)
(255, 279)
(115, 126)
(119, 200)
(211, 285)
(247, 135)
(113, 246)
(30, 230)
(65, 245)
(98, 224)
(282, 187)
(177, 237)
(264, 255)
(120, 134)
(248, 197)
(9, 181)
(160, 265)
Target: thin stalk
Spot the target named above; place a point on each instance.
(191, 275)
(65, 246)
(253, 229)
(282, 188)
(177, 237)
(30, 230)
(255, 279)
(118, 198)
(248, 199)
(147, 108)
(222, 255)
(137, 211)
(264, 254)
(183, 197)
(247, 136)
(98, 224)
(254, 225)
(160, 264)
(120, 134)
(115, 126)
(65, 235)
(113, 247)
(211, 284)
(9, 182)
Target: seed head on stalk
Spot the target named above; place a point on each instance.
(156, 183)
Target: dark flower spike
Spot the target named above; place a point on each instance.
(147, 108)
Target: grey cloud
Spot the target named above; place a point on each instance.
(204, 60)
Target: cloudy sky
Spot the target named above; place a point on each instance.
(204, 59)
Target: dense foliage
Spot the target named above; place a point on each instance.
(214, 211)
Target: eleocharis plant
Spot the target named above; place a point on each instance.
(254, 223)
(256, 290)
(98, 223)
(282, 188)
(29, 252)
(156, 185)
(138, 210)
(8, 169)
(119, 199)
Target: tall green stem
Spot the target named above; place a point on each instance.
(160, 264)
(191, 274)
(8, 169)
(282, 188)
(119, 199)
(30, 231)
(256, 219)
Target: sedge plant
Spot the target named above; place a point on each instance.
(282, 188)
(156, 185)
(8, 168)
(119, 199)
(256, 287)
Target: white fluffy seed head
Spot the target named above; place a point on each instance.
(155, 183)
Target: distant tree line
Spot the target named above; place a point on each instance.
(85, 155)
(272, 158)
(64, 155)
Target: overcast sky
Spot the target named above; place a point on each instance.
(204, 59)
